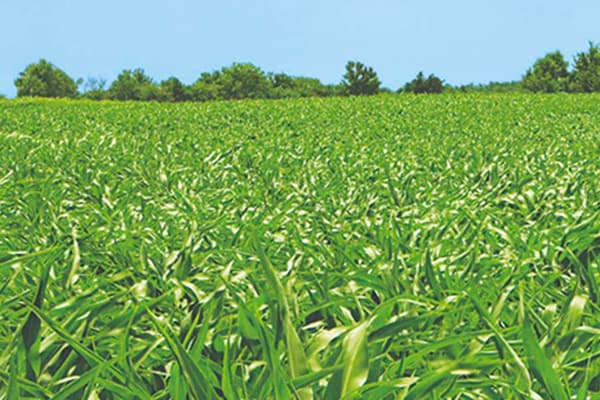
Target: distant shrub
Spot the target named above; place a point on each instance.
(244, 81)
(207, 87)
(360, 79)
(202, 91)
(491, 87)
(134, 85)
(285, 86)
(549, 74)
(43, 79)
(586, 74)
(239, 81)
(173, 90)
(431, 84)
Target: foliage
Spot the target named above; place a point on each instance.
(360, 79)
(549, 74)
(491, 87)
(419, 85)
(247, 81)
(586, 74)
(285, 86)
(134, 85)
(243, 81)
(43, 79)
(239, 81)
(207, 87)
(389, 247)
(173, 90)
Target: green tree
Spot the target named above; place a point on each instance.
(549, 74)
(586, 74)
(45, 80)
(134, 85)
(431, 84)
(173, 90)
(244, 81)
(282, 81)
(360, 79)
(285, 86)
(240, 81)
(207, 87)
(312, 87)
(491, 87)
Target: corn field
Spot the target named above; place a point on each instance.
(391, 247)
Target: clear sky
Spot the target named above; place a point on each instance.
(461, 41)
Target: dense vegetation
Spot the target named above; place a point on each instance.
(45, 80)
(389, 247)
(245, 81)
(431, 84)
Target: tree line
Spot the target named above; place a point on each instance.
(551, 73)
(238, 81)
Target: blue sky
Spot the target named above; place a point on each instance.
(461, 41)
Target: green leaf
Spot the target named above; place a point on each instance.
(429, 382)
(178, 388)
(297, 360)
(75, 264)
(88, 355)
(227, 383)
(540, 363)
(431, 276)
(13, 392)
(87, 379)
(296, 357)
(199, 385)
(314, 377)
(30, 332)
(524, 382)
(355, 360)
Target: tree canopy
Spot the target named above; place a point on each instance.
(360, 79)
(243, 81)
(431, 84)
(285, 86)
(134, 85)
(173, 90)
(43, 79)
(239, 81)
(586, 74)
(549, 74)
